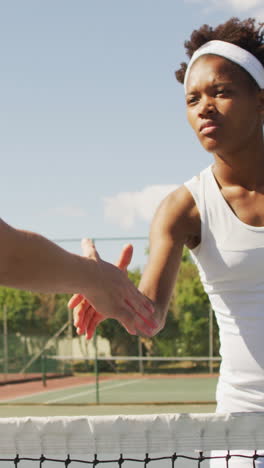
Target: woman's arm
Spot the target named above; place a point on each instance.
(176, 223)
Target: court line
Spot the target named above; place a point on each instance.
(69, 397)
(66, 389)
(44, 392)
(58, 390)
(103, 385)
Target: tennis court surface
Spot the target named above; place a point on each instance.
(126, 394)
(125, 389)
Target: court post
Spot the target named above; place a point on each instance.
(141, 365)
(5, 342)
(96, 369)
(70, 338)
(43, 369)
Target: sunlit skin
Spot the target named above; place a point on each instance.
(222, 95)
(86, 318)
(225, 108)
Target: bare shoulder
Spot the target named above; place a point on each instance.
(6, 235)
(178, 217)
(4, 227)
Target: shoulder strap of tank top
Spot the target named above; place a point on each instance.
(196, 187)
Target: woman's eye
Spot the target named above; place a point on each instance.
(192, 100)
(221, 92)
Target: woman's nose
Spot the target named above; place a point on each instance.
(207, 107)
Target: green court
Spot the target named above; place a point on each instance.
(127, 396)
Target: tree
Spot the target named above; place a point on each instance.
(191, 308)
(33, 313)
(32, 319)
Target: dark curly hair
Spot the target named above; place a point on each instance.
(246, 34)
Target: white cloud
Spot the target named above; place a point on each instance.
(126, 207)
(69, 211)
(238, 6)
(259, 14)
(242, 5)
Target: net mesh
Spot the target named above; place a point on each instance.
(155, 441)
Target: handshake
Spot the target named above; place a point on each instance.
(113, 295)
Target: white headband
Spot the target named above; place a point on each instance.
(231, 52)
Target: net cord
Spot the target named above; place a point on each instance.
(131, 435)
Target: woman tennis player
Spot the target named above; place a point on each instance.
(219, 214)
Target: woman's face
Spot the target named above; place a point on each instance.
(223, 106)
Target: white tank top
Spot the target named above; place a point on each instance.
(230, 260)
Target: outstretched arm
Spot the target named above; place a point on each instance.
(30, 261)
(175, 224)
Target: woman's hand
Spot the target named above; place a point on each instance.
(135, 318)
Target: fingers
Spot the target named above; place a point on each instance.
(144, 323)
(89, 249)
(121, 300)
(82, 317)
(141, 303)
(93, 324)
(134, 323)
(125, 257)
(86, 319)
(144, 328)
(75, 301)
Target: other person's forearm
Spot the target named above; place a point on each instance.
(30, 261)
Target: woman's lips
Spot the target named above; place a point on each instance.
(208, 129)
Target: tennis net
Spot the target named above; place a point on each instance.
(155, 441)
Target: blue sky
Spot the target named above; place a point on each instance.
(93, 131)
